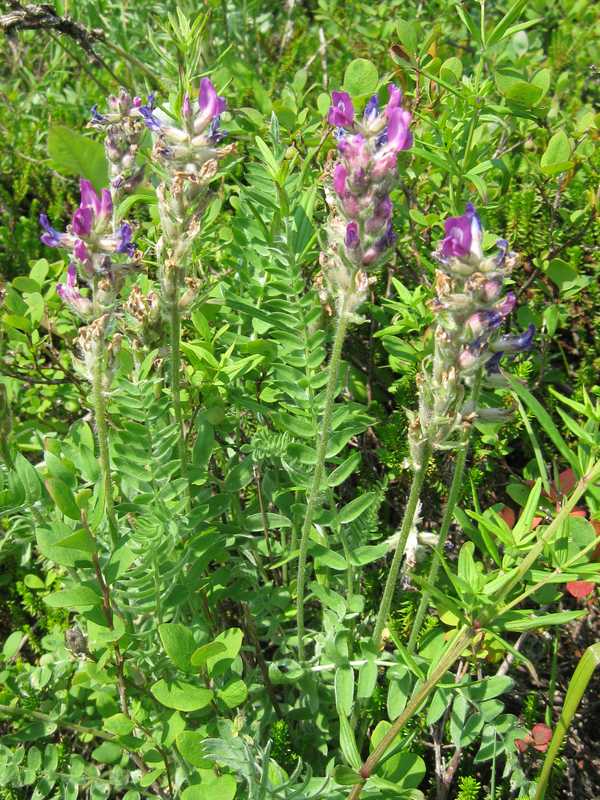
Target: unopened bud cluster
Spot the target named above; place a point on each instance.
(470, 309)
(98, 345)
(360, 228)
(123, 126)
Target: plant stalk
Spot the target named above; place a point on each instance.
(407, 522)
(453, 653)
(99, 408)
(322, 442)
(175, 368)
(454, 496)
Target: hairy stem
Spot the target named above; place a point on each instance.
(407, 522)
(175, 366)
(99, 407)
(322, 442)
(454, 496)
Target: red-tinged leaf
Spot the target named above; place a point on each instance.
(567, 480)
(522, 745)
(578, 512)
(535, 522)
(541, 735)
(580, 588)
(509, 516)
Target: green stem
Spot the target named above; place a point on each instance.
(407, 522)
(315, 489)
(99, 407)
(17, 711)
(453, 653)
(453, 497)
(175, 365)
(456, 488)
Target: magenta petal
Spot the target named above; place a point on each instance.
(341, 112)
(221, 105)
(82, 221)
(457, 241)
(207, 97)
(72, 275)
(395, 98)
(398, 132)
(352, 239)
(339, 179)
(507, 304)
(89, 198)
(81, 251)
(106, 204)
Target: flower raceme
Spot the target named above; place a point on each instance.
(90, 236)
(191, 147)
(93, 241)
(366, 172)
(187, 151)
(470, 309)
(360, 227)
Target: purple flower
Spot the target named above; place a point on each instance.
(216, 134)
(371, 109)
(352, 239)
(69, 293)
(514, 344)
(502, 246)
(493, 364)
(152, 122)
(388, 238)
(186, 108)
(341, 112)
(101, 205)
(69, 289)
(80, 251)
(82, 221)
(340, 173)
(52, 237)
(97, 118)
(383, 210)
(463, 235)
(125, 243)
(483, 321)
(399, 136)
(209, 101)
(395, 99)
(506, 305)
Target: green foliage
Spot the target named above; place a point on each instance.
(468, 788)
(160, 661)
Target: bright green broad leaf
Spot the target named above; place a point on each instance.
(181, 696)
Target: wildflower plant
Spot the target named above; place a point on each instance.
(468, 347)
(359, 234)
(219, 535)
(186, 154)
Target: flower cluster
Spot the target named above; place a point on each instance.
(468, 345)
(187, 154)
(124, 127)
(360, 228)
(95, 244)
